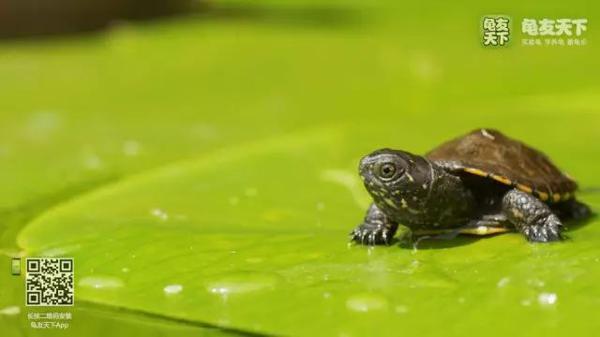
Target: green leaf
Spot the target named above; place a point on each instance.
(255, 238)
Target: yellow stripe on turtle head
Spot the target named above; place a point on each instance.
(556, 197)
(566, 196)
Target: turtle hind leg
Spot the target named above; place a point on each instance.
(531, 217)
(376, 228)
(572, 210)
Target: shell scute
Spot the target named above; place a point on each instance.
(491, 154)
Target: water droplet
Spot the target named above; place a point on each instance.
(243, 282)
(536, 283)
(366, 302)
(526, 303)
(233, 201)
(159, 213)
(4, 151)
(503, 282)
(204, 131)
(222, 321)
(461, 300)
(173, 289)
(401, 309)
(251, 192)
(91, 161)
(254, 260)
(320, 206)
(60, 251)
(101, 282)
(125, 270)
(10, 311)
(546, 299)
(424, 67)
(131, 148)
(412, 267)
(42, 125)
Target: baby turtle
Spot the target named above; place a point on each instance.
(481, 183)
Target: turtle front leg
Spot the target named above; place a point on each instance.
(376, 228)
(531, 216)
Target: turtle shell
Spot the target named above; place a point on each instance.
(490, 154)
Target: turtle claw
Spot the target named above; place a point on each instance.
(548, 230)
(376, 229)
(371, 235)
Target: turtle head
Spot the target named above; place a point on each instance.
(399, 183)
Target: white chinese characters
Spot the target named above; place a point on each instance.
(554, 32)
(550, 27)
(496, 30)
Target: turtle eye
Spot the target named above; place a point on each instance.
(387, 171)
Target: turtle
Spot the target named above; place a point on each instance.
(480, 183)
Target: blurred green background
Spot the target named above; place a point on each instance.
(215, 148)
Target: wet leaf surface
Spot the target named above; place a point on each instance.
(255, 238)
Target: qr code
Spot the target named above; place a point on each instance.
(49, 282)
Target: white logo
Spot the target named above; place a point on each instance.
(554, 32)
